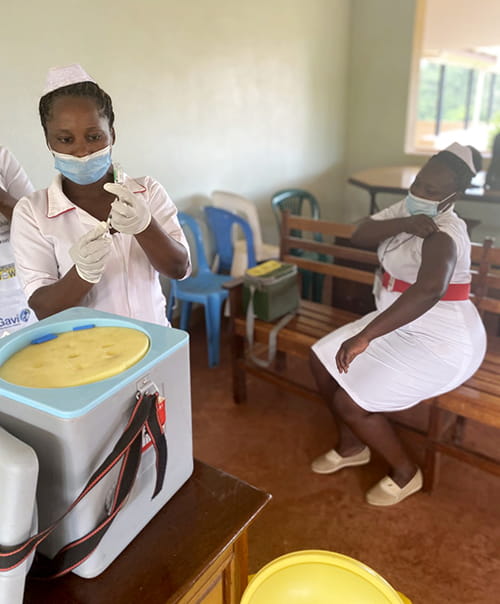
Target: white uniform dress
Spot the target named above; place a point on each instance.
(14, 310)
(46, 224)
(424, 358)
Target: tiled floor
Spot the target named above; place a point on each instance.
(437, 548)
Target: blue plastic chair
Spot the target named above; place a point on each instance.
(203, 288)
(296, 200)
(221, 224)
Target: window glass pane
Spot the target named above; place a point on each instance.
(427, 104)
(427, 98)
(496, 98)
(467, 111)
(485, 102)
(454, 96)
(464, 105)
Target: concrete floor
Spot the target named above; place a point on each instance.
(437, 548)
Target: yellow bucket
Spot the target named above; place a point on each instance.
(319, 577)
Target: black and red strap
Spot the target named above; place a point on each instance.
(128, 449)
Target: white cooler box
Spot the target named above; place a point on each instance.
(72, 430)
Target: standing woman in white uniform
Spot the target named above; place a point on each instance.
(425, 337)
(94, 238)
(14, 183)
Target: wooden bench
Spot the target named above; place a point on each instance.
(313, 320)
(478, 399)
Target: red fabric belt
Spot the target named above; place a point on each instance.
(455, 291)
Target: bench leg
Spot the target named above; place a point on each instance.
(238, 371)
(280, 361)
(431, 467)
(432, 455)
(458, 430)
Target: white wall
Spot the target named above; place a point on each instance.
(245, 96)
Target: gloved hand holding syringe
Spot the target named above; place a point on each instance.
(129, 213)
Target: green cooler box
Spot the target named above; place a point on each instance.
(275, 289)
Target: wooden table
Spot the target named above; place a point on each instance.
(398, 179)
(193, 551)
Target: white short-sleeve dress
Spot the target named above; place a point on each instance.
(431, 355)
(46, 224)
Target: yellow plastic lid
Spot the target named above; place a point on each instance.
(318, 577)
(74, 358)
(264, 268)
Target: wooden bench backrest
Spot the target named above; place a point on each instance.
(485, 258)
(486, 277)
(292, 248)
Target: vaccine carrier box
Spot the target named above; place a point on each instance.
(73, 429)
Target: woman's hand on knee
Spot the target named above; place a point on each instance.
(349, 350)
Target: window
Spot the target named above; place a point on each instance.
(455, 83)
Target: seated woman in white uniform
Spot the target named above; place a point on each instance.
(92, 239)
(424, 339)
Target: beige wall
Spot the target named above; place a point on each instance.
(249, 96)
(474, 24)
(379, 68)
(245, 96)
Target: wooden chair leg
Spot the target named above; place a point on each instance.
(237, 344)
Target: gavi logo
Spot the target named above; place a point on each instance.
(7, 271)
(21, 317)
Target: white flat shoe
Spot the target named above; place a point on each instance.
(331, 461)
(387, 492)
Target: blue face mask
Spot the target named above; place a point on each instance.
(83, 170)
(419, 205)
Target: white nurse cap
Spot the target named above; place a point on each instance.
(464, 153)
(64, 76)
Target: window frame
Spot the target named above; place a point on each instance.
(412, 110)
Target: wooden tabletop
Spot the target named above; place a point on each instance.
(398, 179)
(391, 179)
(193, 528)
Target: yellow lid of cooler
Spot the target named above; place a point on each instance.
(75, 358)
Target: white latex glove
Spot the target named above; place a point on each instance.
(90, 251)
(129, 214)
